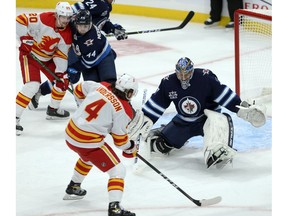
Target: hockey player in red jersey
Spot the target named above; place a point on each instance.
(104, 109)
(47, 36)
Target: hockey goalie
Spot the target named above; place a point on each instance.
(198, 97)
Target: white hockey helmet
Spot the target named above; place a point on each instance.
(64, 9)
(127, 84)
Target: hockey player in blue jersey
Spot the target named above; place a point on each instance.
(100, 11)
(198, 97)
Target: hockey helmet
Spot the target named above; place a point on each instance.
(184, 71)
(83, 21)
(64, 9)
(127, 84)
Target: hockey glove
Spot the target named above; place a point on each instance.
(140, 124)
(26, 44)
(131, 151)
(73, 75)
(63, 83)
(255, 114)
(119, 32)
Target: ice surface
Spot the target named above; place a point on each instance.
(44, 164)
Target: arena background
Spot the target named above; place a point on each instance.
(167, 9)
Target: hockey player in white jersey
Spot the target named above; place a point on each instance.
(198, 97)
(104, 109)
(47, 36)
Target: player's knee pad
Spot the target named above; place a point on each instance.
(118, 171)
(218, 139)
(30, 88)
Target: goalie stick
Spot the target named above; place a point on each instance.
(182, 25)
(48, 70)
(203, 202)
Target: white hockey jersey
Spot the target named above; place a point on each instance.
(49, 41)
(100, 113)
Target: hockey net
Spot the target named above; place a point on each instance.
(253, 55)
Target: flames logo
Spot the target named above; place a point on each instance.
(48, 43)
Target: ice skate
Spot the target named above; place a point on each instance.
(53, 114)
(19, 128)
(116, 210)
(34, 101)
(74, 192)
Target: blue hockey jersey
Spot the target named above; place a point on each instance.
(100, 11)
(91, 48)
(205, 92)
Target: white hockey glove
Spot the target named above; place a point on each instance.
(140, 124)
(255, 114)
(219, 155)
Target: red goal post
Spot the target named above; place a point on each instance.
(253, 54)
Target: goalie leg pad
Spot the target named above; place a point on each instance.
(218, 139)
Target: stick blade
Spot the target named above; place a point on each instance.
(189, 16)
(212, 201)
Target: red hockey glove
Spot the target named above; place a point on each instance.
(131, 151)
(26, 44)
(63, 83)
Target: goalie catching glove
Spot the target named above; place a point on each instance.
(255, 114)
(140, 124)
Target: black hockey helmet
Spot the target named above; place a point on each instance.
(83, 21)
(83, 17)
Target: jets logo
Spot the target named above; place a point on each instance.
(189, 106)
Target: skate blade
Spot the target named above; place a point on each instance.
(56, 118)
(72, 197)
(18, 133)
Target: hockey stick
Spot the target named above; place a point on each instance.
(138, 140)
(49, 71)
(203, 202)
(182, 25)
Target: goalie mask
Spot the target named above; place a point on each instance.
(184, 71)
(127, 84)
